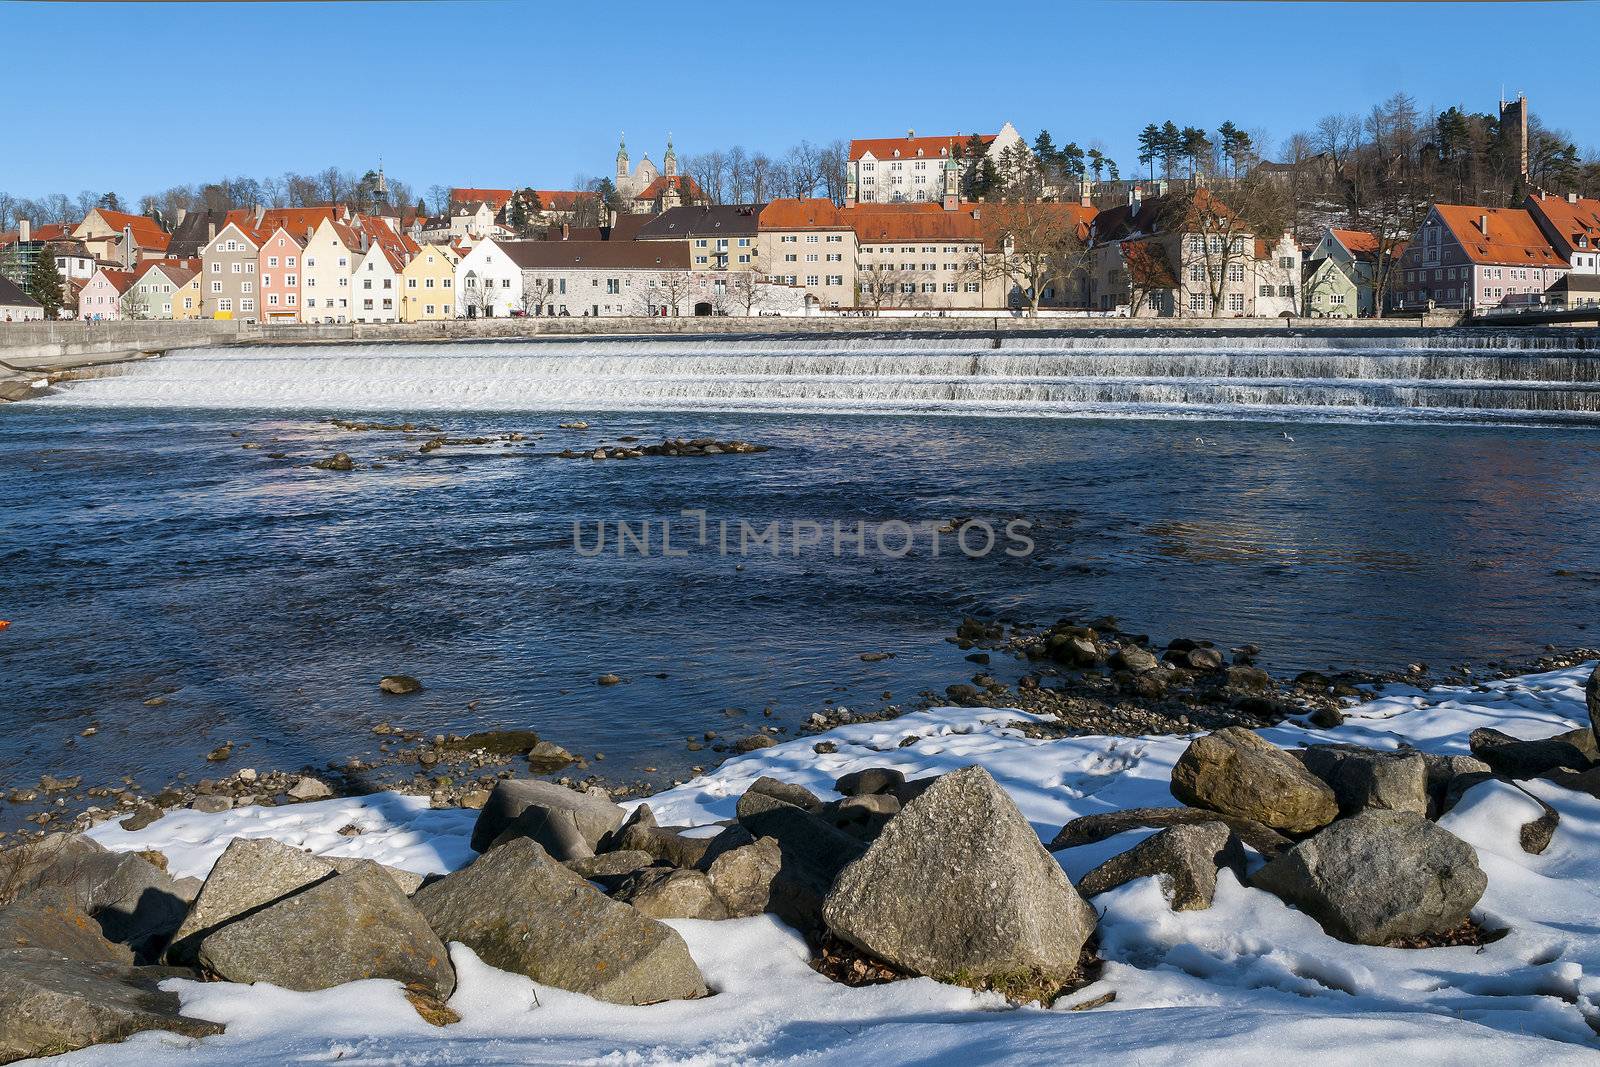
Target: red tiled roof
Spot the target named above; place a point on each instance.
(121, 280)
(817, 213)
(496, 198)
(1357, 242)
(681, 182)
(914, 222)
(1570, 219)
(938, 147)
(147, 233)
(48, 232)
(1513, 238)
(563, 199)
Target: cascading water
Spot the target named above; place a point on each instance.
(1452, 375)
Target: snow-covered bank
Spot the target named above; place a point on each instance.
(1247, 977)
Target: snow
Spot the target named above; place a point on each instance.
(1248, 978)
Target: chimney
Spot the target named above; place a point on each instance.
(211, 232)
(261, 213)
(1483, 224)
(566, 231)
(1572, 198)
(1086, 193)
(24, 230)
(183, 213)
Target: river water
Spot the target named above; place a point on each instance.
(146, 552)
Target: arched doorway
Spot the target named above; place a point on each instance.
(702, 309)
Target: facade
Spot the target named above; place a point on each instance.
(1475, 258)
(1341, 282)
(488, 281)
(1277, 278)
(791, 232)
(646, 190)
(327, 261)
(428, 291)
(375, 285)
(910, 169)
(101, 298)
(187, 300)
(155, 283)
(18, 249)
(278, 267)
(1572, 226)
(923, 256)
(16, 305)
(120, 237)
(228, 263)
(719, 238)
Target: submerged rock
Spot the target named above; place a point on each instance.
(1235, 772)
(957, 886)
(1379, 877)
(400, 685)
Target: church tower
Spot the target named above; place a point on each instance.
(669, 162)
(952, 182)
(622, 161)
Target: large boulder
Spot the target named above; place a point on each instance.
(798, 795)
(1235, 772)
(135, 902)
(51, 1004)
(641, 834)
(1379, 877)
(592, 816)
(1087, 829)
(1515, 758)
(667, 893)
(343, 929)
(1184, 858)
(1364, 778)
(811, 854)
(250, 874)
(521, 911)
(742, 877)
(1591, 697)
(50, 920)
(958, 886)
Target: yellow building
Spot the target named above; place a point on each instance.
(427, 292)
(187, 300)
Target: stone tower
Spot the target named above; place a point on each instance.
(952, 182)
(622, 160)
(1514, 128)
(669, 162)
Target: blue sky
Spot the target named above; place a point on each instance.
(172, 93)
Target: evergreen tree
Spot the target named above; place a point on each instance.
(1071, 161)
(1150, 147)
(1196, 146)
(111, 202)
(44, 283)
(1170, 147)
(1044, 149)
(421, 210)
(1097, 164)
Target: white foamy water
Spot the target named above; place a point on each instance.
(1463, 375)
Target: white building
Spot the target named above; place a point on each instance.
(488, 281)
(326, 265)
(16, 305)
(909, 169)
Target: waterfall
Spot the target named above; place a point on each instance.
(1460, 375)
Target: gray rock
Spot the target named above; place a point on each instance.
(250, 874)
(556, 830)
(309, 788)
(342, 929)
(1235, 772)
(1440, 769)
(594, 816)
(812, 853)
(1582, 739)
(1184, 858)
(407, 882)
(1580, 781)
(958, 887)
(798, 795)
(1135, 659)
(1513, 758)
(399, 685)
(1366, 778)
(641, 834)
(49, 919)
(1087, 829)
(135, 902)
(870, 781)
(51, 1004)
(1591, 697)
(668, 893)
(610, 869)
(521, 911)
(742, 877)
(1379, 877)
(211, 804)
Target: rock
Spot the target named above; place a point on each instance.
(753, 742)
(1513, 758)
(1441, 769)
(250, 874)
(798, 795)
(592, 816)
(1251, 679)
(1533, 836)
(610, 869)
(1235, 772)
(608, 679)
(742, 877)
(308, 788)
(1135, 659)
(869, 781)
(1087, 829)
(640, 833)
(135, 902)
(958, 887)
(1196, 658)
(1378, 877)
(339, 461)
(475, 799)
(495, 742)
(408, 882)
(1184, 858)
(1591, 697)
(211, 804)
(52, 1004)
(1581, 781)
(811, 853)
(343, 929)
(1326, 718)
(521, 911)
(547, 756)
(1363, 778)
(50, 920)
(399, 685)
(1583, 739)
(665, 893)
(961, 694)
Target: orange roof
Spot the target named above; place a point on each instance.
(1570, 219)
(178, 271)
(48, 232)
(1512, 237)
(295, 220)
(663, 183)
(914, 222)
(121, 280)
(496, 197)
(562, 199)
(1356, 242)
(817, 213)
(147, 233)
(909, 147)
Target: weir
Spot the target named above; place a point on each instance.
(1437, 374)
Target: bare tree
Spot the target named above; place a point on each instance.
(804, 165)
(710, 171)
(668, 291)
(891, 286)
(1033, 246)
(833, 162)
(742, 293)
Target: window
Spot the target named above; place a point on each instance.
(290, 279)
(1286, 290)
(224, 304)
(1197, 273)
(950, 287)
(1286, 262)
(1154, 302)
(1235, 301)
(812, 279)
(970, 287)
(411, 283)
(1236, 272)
(266, 280)
(238, 268)
(1197, 302)
(247, 305)
(1337, 299)
(216, 268)
(216, 287)
(1266, 291)
(427, 309)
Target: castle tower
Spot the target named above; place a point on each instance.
(1514, 127)
(952, 183)
(622, 160)
(669, 162)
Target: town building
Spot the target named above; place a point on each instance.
(1571, 224)
(154, 285)
(889, 170)
(1342, 274)
(809, 244)
(119, 237)
(188, 300)
(327, 260)
(228, 263)
(923, 256)
(719, 238)
(102, 297)
(16, 305)
(488, 281)
(1472, 258)
(428, 285)
(278, 266)
(646, 190)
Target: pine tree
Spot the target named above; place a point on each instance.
(1171, 147)
(1150, 147)
(1097, 164)
(1071, 160)
(1044, 149)
(44, 283)
(1196, 146)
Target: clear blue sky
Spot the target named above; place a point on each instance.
(501, 94)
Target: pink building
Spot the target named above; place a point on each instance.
(278, 267)
(101, 298)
